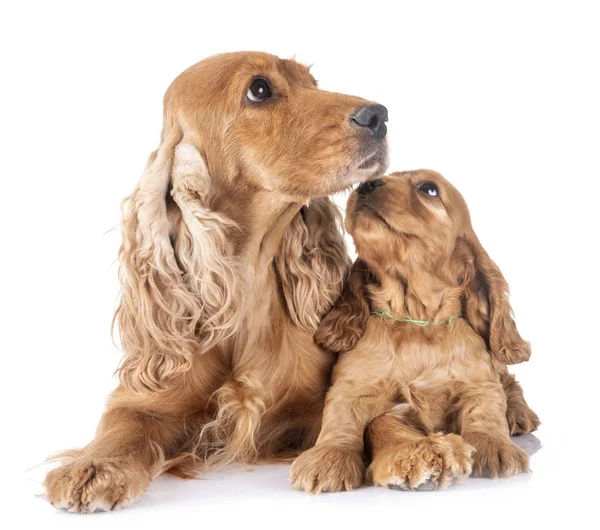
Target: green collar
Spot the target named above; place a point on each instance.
(421, 323)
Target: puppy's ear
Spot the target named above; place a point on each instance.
(177, 282)
(486, 305)
(343, 327)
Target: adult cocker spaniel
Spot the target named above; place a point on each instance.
(427, 330)
(231, 255)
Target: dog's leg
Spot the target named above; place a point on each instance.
(336, 462)
(521, 419)
(405, 455)
(116, 468)
(136, 435)
(481, 420)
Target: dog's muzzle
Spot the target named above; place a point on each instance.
(370, 186)
(372, 118)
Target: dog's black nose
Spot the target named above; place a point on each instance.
(373, 118)
(369, 187)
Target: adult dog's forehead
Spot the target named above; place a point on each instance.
(275, 69)
(209, 80)
(297, 73)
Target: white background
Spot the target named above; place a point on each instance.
(502, 99)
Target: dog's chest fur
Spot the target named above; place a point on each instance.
(268, 349)
(424, 366)
(433, 355)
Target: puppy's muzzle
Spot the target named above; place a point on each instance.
(366, 188)
(372, 118)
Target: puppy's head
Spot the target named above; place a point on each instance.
(414, 216)
(261, 122)
(417, 223)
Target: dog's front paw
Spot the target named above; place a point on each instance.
(434, 462)
(498, 457)
(90, 485)
(521, 419)
(335, 334)
(327, 468)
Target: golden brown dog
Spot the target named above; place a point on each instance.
(427, 314)
(231, 255)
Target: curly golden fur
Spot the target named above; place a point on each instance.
(231, 255)
(435, 400)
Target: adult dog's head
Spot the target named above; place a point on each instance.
(250, 149)
(261, 122)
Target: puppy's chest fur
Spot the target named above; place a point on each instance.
(423, 356)
(426, 367)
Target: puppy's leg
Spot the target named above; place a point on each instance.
(481, 420)
(336, 462)
(521, 419)
(406, 456)
(135, 436)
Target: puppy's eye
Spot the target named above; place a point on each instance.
(429, 188)
(259, 90)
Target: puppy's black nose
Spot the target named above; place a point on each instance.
(369, 187)
(372, 118)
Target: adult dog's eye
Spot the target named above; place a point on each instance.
(429, 188)
(259, 90)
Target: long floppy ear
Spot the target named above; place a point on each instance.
(177, 282)
(313, 262)
(486, 304)
(343, 327)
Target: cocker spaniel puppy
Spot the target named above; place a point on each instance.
(231, 255)
(427, 316)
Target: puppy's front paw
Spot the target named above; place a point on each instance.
(434, 462)
(498, 457)
(335, 334)
(88, 485)
(327, 468)
(521, 419)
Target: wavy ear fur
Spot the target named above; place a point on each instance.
(177, 282)
(313, 262)
(486, 303)
(343, 327)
